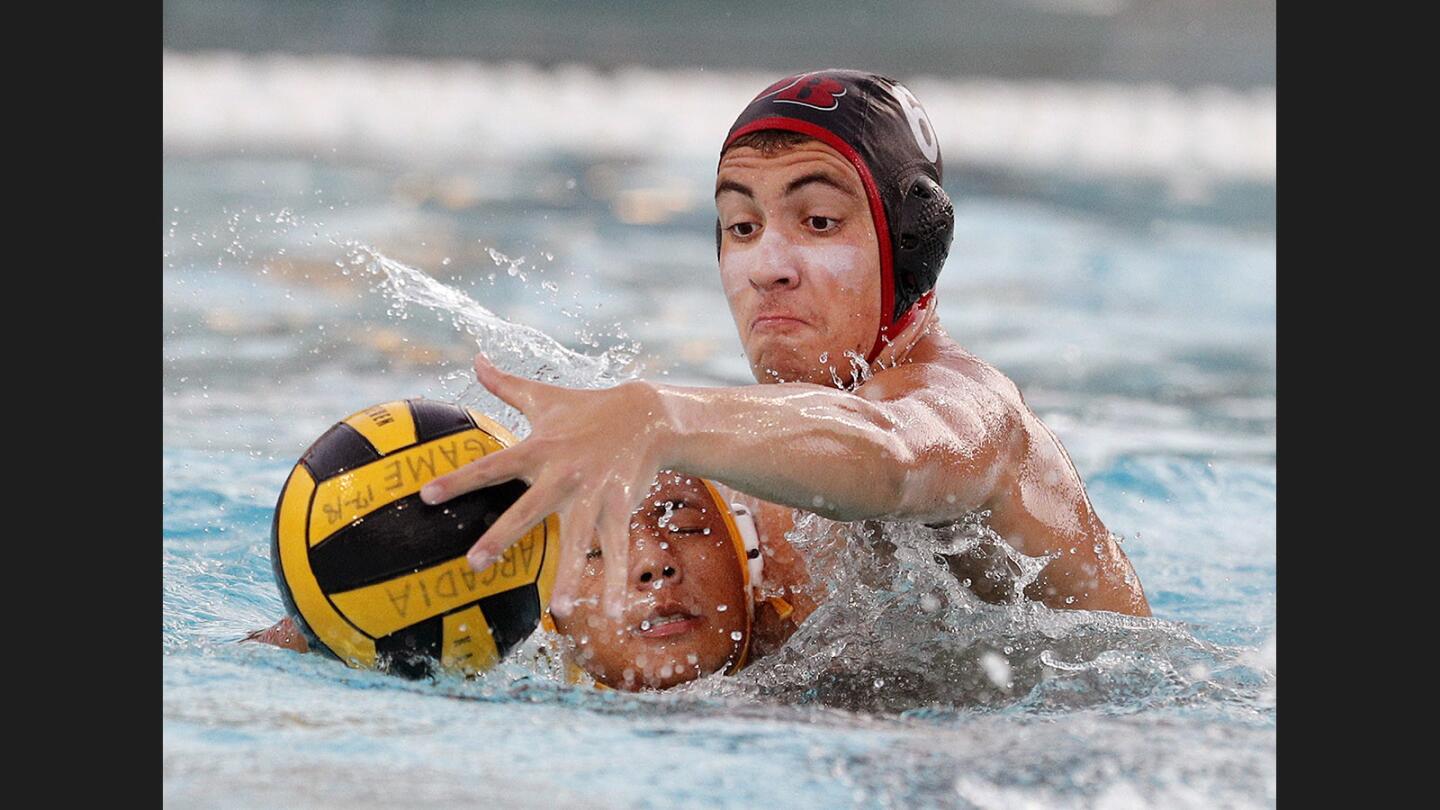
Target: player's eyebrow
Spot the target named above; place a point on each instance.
(731, 185)
(823, 178)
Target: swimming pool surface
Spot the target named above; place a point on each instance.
(1147, 342)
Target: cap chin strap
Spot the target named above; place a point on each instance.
(887, 334)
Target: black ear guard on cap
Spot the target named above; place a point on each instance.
(921, 234)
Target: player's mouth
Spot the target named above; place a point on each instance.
(667, 622)
(775, 321)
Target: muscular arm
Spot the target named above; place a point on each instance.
(930, 441)
(918, 442)
(924, 442)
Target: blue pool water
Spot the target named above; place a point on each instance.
(1144, 335)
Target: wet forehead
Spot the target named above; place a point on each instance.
(753, 168)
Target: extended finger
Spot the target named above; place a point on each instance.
(531, 508)
(614, 530)
(488, 470)
(517, 392)
(577, 533)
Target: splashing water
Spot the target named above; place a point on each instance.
(516, 348)
(898, 632)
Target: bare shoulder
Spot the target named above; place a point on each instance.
(957, 410)
(1036, 460)
(939, 369)
(1012, 465)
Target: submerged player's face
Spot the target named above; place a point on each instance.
(685, 605)
(799, 260)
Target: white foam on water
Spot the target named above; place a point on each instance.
(445, 111)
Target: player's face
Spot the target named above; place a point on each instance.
(799, 260)
(685, 606)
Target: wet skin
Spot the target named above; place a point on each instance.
(933, 435)
(798, 262)
(685, 604)
(282, 634)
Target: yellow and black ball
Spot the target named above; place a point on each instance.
(377, 578)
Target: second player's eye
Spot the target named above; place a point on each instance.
(744, 229)
(679, 517)
(822, 223)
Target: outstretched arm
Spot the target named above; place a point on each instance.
(888, 452)
(916, 443)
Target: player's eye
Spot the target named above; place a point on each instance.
(744, 230)
(822, 223)
(679, 517)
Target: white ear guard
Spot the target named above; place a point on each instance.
(745, 522)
